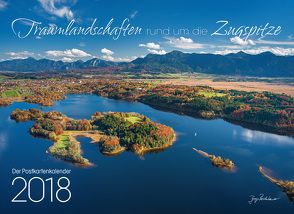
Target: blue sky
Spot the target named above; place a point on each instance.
(152, 14)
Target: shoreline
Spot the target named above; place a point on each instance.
(154, 149)
(285, 185)
(265, 111)
(244, 124)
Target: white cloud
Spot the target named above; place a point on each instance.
(153, 48)
(183, 43)
(70, 53)
(20, 55)
(67, 59)
(134, 14)
(3, 4)
(114, 59)
(108, 55)
(226, 51)
(269, 42)
(150, 45)
(185, 40)
(62, 11)
(159, 52)
(107, 51)
(238, 41)
(226, 46)
(275, 50)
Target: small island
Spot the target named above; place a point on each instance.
(217, 161)
(287, 186)
(114, 132)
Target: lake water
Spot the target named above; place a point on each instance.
(176, 180)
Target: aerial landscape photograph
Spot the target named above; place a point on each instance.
(127, 107)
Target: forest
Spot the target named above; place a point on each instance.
(114, 132)
(265, 110)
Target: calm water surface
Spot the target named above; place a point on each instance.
(177, 180)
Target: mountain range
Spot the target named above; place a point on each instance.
(264, 64)
(33, 65)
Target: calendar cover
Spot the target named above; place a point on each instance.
(146, 107)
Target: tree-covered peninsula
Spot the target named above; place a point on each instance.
(217, 161)
(114, 132)
(286, 186)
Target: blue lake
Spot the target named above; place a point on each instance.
(176, 180)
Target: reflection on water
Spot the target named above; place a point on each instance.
(174, 181)
(239, 151)
(259, 137)
(3, 141)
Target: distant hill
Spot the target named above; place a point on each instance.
(265, 64)
(34, 65)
